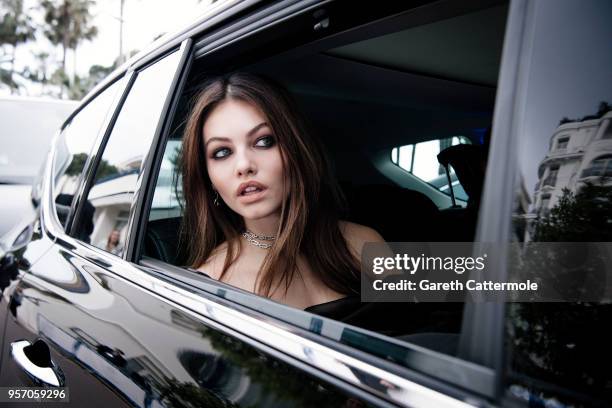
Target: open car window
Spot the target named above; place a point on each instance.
(364, 94)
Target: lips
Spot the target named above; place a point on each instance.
(250, 188)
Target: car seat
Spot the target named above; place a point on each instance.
(398, 214)
(469, 163)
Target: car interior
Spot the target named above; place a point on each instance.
(367, 91)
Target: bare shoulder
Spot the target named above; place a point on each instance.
(356, 235)
(214, 264)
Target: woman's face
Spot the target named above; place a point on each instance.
(243, 159)
(114, 239)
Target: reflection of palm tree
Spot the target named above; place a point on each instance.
(279, 380)
(77, 165)
(42, 72)
(175, 393)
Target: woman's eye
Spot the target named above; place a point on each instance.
(265, 141)
(221, 153)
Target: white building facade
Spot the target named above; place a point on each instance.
(580, 152)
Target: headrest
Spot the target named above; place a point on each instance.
(470, 163)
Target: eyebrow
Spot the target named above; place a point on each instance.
(227, 139)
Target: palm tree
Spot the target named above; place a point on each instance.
(68, 23)
(57, 20)
(82, 27)
(16, 27)
(42, 71)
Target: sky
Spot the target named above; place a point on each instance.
(143, 21)
(569, 74)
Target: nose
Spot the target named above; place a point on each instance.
(245, 164)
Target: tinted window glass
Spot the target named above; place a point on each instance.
(74, 147)
(105, 214)
(559, 353)
(167, 191)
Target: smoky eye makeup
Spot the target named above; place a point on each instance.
(220, 153)
(265, 141)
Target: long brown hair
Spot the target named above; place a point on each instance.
(309, 214)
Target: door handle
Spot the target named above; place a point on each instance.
(35, 360)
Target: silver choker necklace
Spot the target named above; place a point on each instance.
(254, 239)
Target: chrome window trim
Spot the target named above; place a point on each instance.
(272, 334)
(50, 223)
(108, 81)
(398, 390)
(486, 320)
(443, 372)
(149, 160)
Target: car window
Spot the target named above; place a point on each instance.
(168, 190)
(74, 146)
(360, 112)
(420, 159)
(104, 215)
(558, 352)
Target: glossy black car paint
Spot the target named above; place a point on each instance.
(120, 345)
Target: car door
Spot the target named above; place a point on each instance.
(57, 303)
(98, 325)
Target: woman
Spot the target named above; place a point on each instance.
(113, 243)
(261, 206)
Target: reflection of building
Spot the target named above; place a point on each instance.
(165, 202)
(111, 197)
(580, 152)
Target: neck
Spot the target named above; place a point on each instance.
(263, 226)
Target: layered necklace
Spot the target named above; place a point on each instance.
(254, 239)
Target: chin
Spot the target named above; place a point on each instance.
(258, 212)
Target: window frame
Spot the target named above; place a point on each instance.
(94, 148)
(96, 154)
(131, 77)
(514, 120)
(481, 360)
(606, 159)
(486, 320)
(137, 223)
(562, 139)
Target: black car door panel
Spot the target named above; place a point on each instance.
(127, 346)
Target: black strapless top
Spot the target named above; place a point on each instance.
(336, 309)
